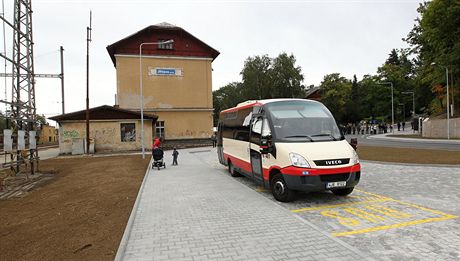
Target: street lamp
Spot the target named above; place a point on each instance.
(392, 105)
(413, 101)
(140, 87)
(447, 105)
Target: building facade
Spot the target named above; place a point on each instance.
(47, 135)
(111, 129)
(176, 80)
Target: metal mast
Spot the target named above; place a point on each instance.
(23, 92)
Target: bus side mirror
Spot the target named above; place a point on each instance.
(354, 143)
(265, 145)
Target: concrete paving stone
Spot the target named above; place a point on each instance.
(199, 206)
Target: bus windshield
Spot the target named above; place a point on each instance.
(302, 121)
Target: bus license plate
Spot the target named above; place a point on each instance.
(337, 184)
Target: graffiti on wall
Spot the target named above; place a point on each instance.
(70, 134)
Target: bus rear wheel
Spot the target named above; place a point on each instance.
(280, 190)
(343, 192)
(232, 171)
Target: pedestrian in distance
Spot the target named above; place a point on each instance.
(214, 140)
(175, 154)
(399, 126)
(403, 125)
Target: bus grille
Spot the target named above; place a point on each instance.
(334, 177)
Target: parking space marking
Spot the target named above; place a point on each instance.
(376, 210)
(388, 211)
(340, 205)
(397, 225)
(346, 221)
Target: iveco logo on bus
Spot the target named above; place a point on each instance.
(333, 162)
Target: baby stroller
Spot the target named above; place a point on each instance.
(157, 155)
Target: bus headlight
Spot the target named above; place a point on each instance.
(354, 158)
(298, 161)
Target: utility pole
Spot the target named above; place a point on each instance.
(62, 78)
(23, 110)
(88, 39)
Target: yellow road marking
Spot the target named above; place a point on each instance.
(364, 214)
(346, 221)
(372, 194)
(358, 197)
(377, 208)
(398, 225)
(340, 205)
(420, 207)
(388, 211)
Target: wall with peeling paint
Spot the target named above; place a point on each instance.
(106, 135)
(184, 102)
(191, 125)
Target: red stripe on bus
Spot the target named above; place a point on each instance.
(241, 108)
(239, 163)
(296, 171)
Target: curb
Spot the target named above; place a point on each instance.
(385, 137)
(411, 164)
(126, 234)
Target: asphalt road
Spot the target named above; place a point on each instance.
(371, 140)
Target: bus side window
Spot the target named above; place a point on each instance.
(256, 131)
(266, 131)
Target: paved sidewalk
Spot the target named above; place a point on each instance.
(195, 212)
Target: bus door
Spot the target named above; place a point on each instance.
(254, 147)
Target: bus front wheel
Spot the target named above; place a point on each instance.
(280, 190)
(342, 192)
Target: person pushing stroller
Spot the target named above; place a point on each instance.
(157, 155)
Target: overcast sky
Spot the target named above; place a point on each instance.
(347, 37)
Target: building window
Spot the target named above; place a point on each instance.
(160, 129)
(128, 132)
(168, 46)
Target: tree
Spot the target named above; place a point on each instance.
(287, 78)
(435, 38)
(399, 70)
(393, 58)
(263, 78)
(376, 101)
(227, 97)
(41, 120)
(335, 93)
(256, 76)
(353, 104)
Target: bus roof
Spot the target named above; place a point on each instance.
(252, 103)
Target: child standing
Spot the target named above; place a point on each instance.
(175, 154)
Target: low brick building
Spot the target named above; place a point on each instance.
(47, 134)
(111, 129)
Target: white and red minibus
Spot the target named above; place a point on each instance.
(287, 145)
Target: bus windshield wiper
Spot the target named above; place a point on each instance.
(300, 136)
(324, 134)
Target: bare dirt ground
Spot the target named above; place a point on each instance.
(78, 215)
(82, 212)
(408, 155)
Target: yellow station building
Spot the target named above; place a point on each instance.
(176, 80)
